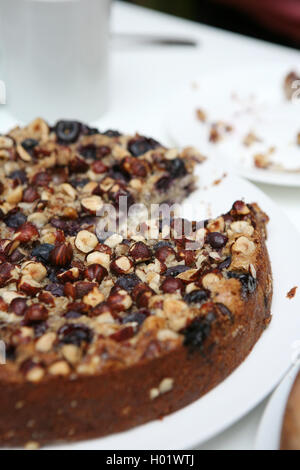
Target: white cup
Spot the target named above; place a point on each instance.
(55, 58)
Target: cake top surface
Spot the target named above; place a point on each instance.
(76, 300)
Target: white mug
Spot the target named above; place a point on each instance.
(55, 58)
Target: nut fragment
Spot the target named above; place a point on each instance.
(122, 265)
(98, 258)
(243, 246)
(29, 286)
(35, 313)
(92, 204)
(86, 241)
(45, 342)
(59, 368)
(69, 275)
(119, 301)
(25, 156)
(27, 232)
(35, 374)
(6, 142)
(34, 270)
(93, 298)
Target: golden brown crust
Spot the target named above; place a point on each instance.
(290, 434)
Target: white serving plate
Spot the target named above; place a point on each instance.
(268, 362)
(249, 98)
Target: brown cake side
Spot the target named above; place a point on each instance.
(165, 378)
(290, 434)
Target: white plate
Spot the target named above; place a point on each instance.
(249, 99)
(269, 431)
(270, 358)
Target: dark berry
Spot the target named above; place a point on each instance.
(225, 311)
(56, 289)
(117, 173)
(89, 152)
(164, 183)
(86, 130)
(40, 329)
(225, 264)
(15, 219)
(175, 270)
(196, 296)
(79, 182)
(19, 175)
(138, 317)
(216, 240)
(67, 131)
(140, 145)
(176, 168)
(29, 144)
(42, 252)
(196, 333)
(128, 282)
(247, 280)
(72, 314)
(10, 353)
(75, 334)
(112, 133)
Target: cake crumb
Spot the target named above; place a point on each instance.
(291, 293)
(201, 115)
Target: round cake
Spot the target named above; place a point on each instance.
(105, 331)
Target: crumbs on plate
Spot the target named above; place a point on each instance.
(291, 293)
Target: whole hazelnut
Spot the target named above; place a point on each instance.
(95, 272)
(61, 255)
(140, 252)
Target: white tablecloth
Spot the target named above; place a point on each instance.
(143, 80)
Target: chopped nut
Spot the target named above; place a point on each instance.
(67, 189)
(122, 265)
(6, 142)
(15, 196)
(35, 374)
(166, 385)
(114, 240)
(71, 353)
(69, 275)
(59, 368)
(167, 335)
(25, 156)
(93, 298)
(92, 204)
(29, 286)
(86, 241)
(99, 258)
(242, 226)
(34, 270)
(45, 342)
(244, 246)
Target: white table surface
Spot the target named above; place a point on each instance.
(144, 79)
